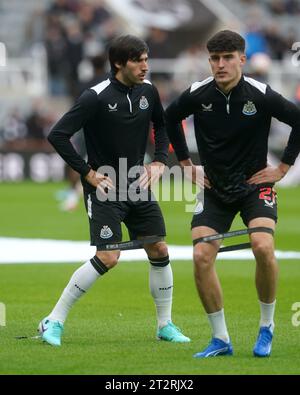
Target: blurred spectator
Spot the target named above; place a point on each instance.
(277, 7)
(92, 45)
(26, 130)
(13, 129)
(99, 65)
(256, 42)
(87, 16)
(277, 45)
(159, 48)
(74, 54)
(35, 124)
(101, 12)
(158, 43)
(62, 7)
(281, 7)
(56, 48)
(190, 66)
(292, 7)
(259, 66)
(109, 30)
(75, 29)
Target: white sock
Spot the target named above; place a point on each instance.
(267, 314)
(218, 325)
(80, 282)
(161, 287)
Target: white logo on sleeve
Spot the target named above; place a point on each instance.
(106, 232)
(144, 103)
(113, 107)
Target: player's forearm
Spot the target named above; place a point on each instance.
(293, 147)
(161, 142)
(178, 141)
(175, 131)
(62, 144)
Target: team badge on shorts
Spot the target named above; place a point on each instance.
(106, 232)
(249, 108)
(144, 103)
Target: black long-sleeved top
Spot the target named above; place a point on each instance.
(232, 131)
(116, 121)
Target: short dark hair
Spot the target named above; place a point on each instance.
(124, 48)
(226, 41)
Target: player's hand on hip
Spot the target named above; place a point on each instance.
(195, 174)
(269, 174)
(199, 177)
(152, 174)
(100, 181)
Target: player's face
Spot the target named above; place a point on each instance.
(227, 67)
(134, 72)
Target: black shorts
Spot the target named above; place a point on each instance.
(219, 216)
(142, 218)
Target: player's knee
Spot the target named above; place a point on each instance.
(162, 249)
(109, 259)
(262, 248)
(202, 258)
(158, 250)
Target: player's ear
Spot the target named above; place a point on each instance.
(243, 59)
(118, 66)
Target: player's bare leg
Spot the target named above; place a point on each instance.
(206, 278)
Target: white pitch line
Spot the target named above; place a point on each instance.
(14, 250)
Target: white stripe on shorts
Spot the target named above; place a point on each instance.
(89, 205)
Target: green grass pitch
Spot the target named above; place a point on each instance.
(112, 329)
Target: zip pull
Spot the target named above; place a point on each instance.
(227, 100)
(228, 104)
(130, 104)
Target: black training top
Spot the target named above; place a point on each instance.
(116, 122)
(232, 131)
